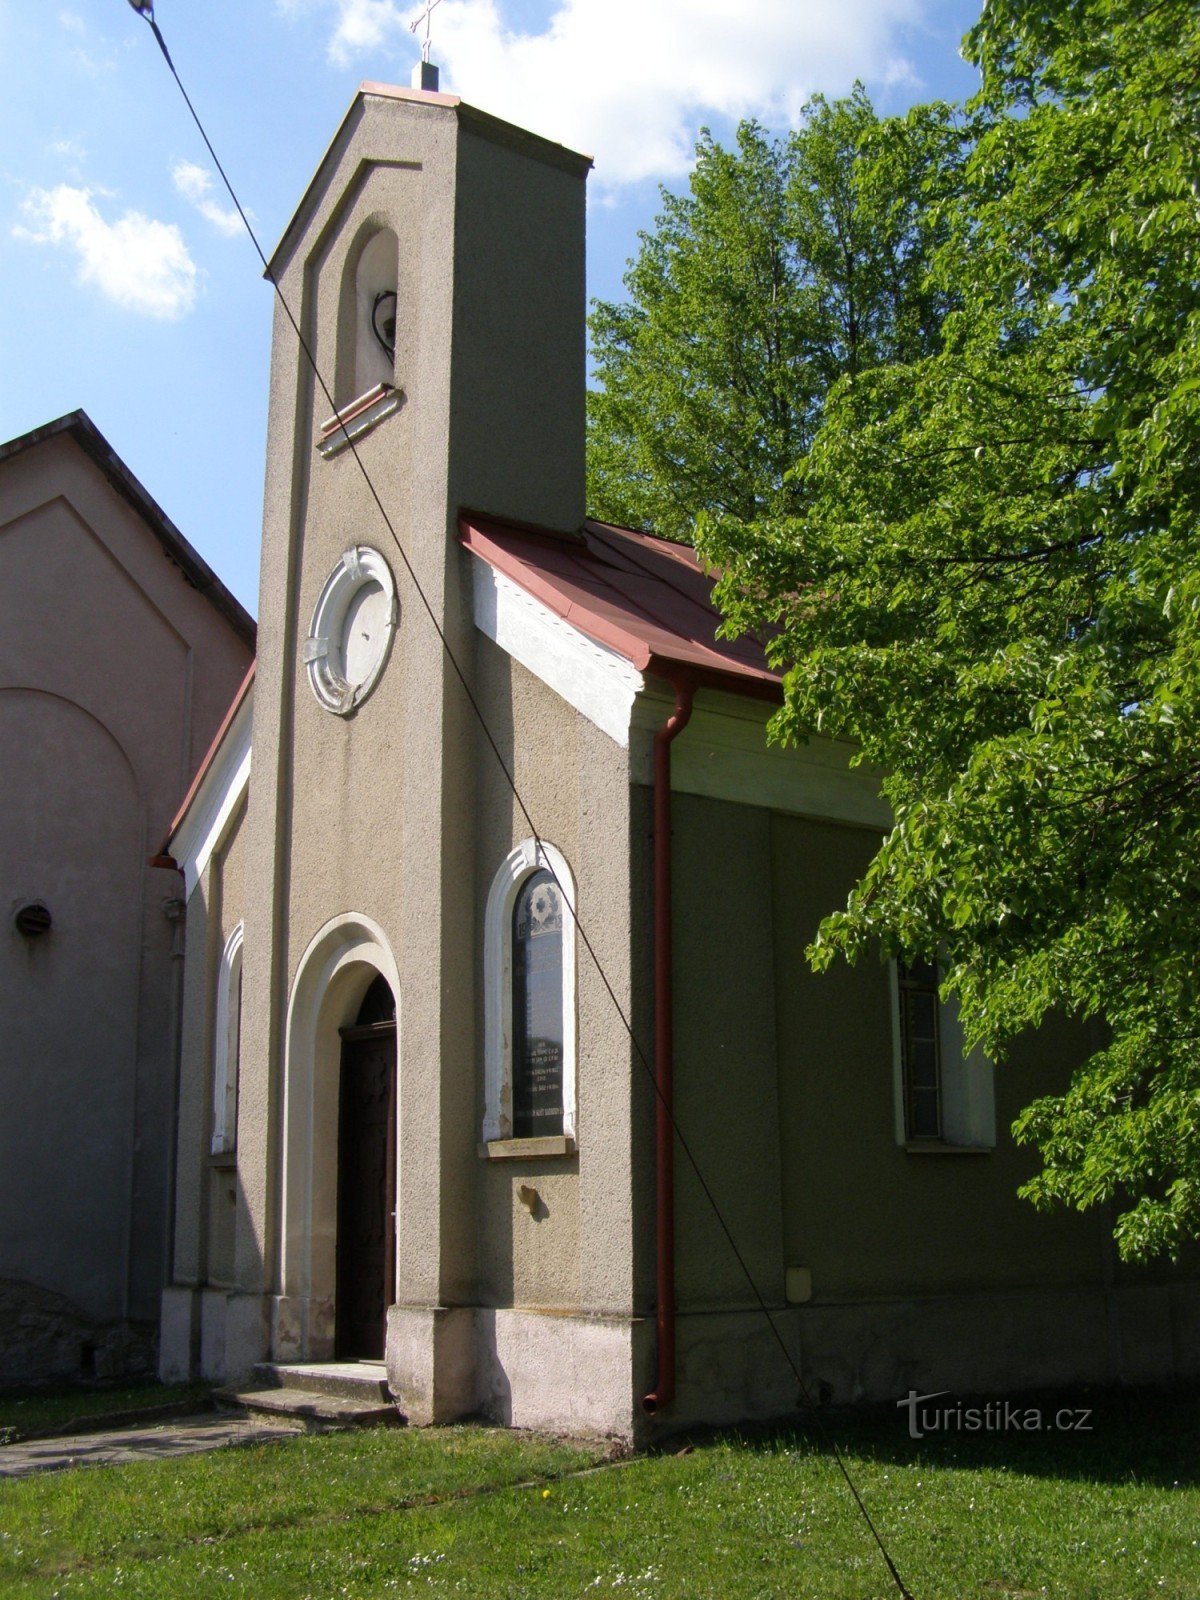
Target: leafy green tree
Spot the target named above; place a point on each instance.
(780, 270)
(998, 572)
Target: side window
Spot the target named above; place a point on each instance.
(529, 999)
(920, 1048)
(945, 1097)
(227, 1041)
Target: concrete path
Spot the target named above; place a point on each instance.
(183, 1437)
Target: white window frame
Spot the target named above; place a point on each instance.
(967, 1080)
(529, 857)
(227, 1045)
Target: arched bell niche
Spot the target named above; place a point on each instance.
(367, 316)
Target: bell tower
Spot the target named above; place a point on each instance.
(436, 266)
(439, 252)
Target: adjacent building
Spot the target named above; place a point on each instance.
(119, 654)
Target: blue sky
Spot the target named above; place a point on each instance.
(125, 287)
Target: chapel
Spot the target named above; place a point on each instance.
(491, 871)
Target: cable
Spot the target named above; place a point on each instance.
(145, 8)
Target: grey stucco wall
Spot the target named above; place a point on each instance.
(727, 1094)
(926, 1269)
(866, 1216)
(786, 1095)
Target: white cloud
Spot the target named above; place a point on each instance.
(363, 25)
(93, 66)
(86, 60)
(195, 185)
(136, 262)
(630, 81)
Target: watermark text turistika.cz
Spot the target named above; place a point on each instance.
(994, 1416)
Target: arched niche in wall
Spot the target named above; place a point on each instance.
(367, 315)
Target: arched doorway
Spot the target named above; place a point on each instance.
(366, 1203)
(341, 963)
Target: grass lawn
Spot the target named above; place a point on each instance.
(34, 1413)
(1110, 1514)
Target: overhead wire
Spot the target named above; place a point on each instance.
(145, 8)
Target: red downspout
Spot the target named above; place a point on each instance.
(664, 1130)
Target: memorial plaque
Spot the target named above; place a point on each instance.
(537, 1008)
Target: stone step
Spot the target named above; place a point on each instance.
(364, 1381)
(314, 1407)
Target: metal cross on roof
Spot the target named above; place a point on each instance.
(430, 5)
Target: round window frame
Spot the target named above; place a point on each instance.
(326, 643)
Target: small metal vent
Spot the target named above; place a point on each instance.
(33, 920)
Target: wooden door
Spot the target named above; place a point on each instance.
(366, 1226)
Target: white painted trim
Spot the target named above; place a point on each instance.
(527, 858)
(227, 1045)
(598, 682)
(213, 810)
(724, 754)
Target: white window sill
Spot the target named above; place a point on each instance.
(939, 1147)
(527, 1149)
(357, 417)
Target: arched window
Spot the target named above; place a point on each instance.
(227, 1041)
(529, 983)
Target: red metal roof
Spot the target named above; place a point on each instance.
(649, 599)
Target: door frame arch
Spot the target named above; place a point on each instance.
(334, 973)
